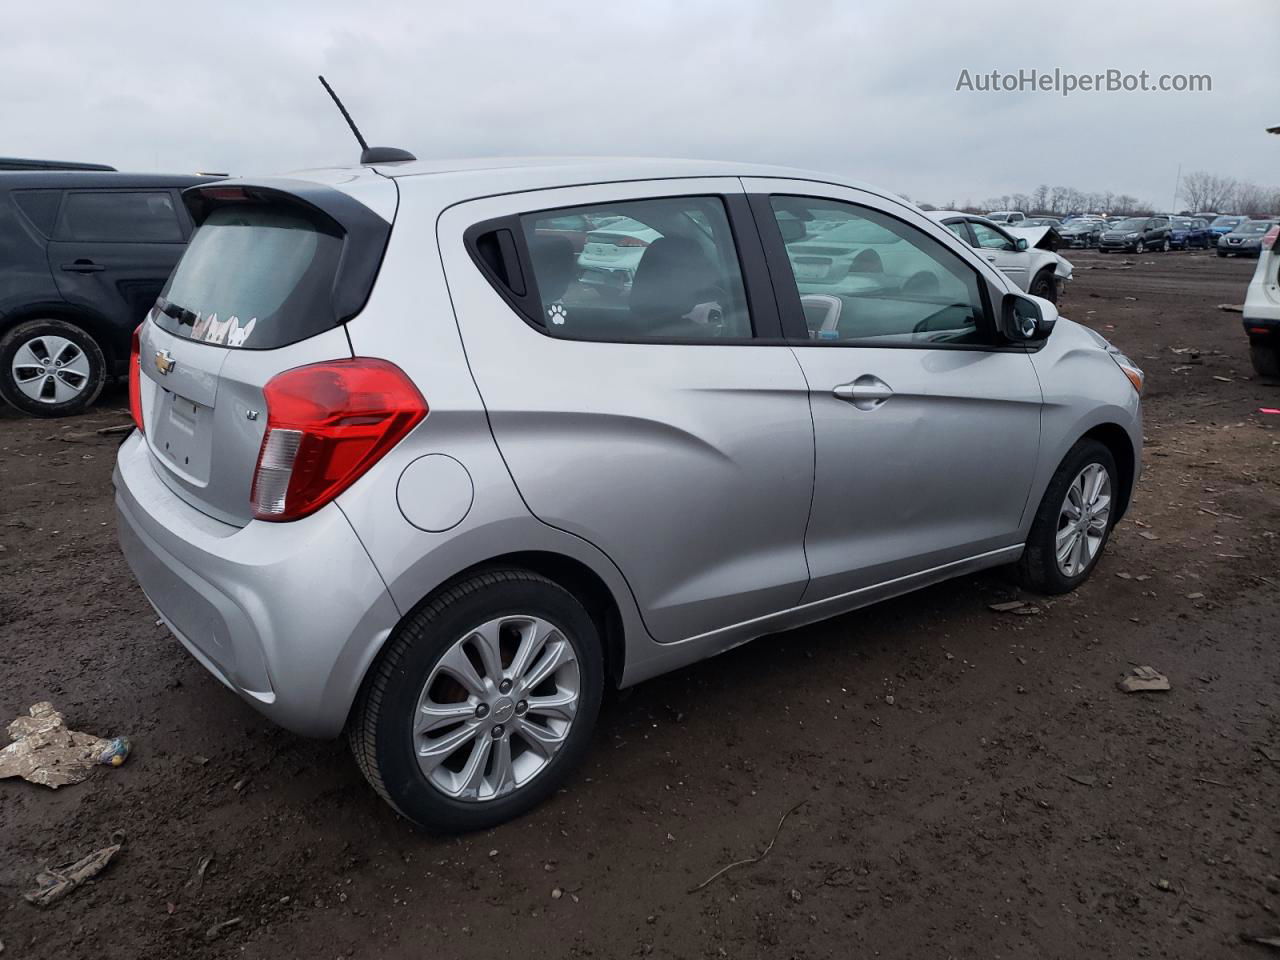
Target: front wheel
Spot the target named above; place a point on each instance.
(50, 368)
(1045, 285)
(1139, 247)
(1222, 253)
(1073, 522)
(482, 703)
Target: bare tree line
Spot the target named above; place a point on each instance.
(1200, 191)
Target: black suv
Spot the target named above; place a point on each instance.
(1136, 235)
(83, 256)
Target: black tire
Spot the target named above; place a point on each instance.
(1045, 285)
(1038, 567)
(22, 335)
(1140, 247)
(1222, 253)
(379, 729)
(1266, 360)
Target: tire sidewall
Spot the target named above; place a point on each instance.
(1041, 544)
(24, 332)
(429, 638)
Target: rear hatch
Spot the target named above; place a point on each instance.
(272, 273)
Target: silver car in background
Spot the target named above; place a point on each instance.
(401, 472)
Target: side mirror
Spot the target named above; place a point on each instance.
(1024, 318)
(1022, 243)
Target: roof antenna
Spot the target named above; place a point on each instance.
(368, 154)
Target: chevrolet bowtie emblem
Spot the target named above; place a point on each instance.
(165, 362)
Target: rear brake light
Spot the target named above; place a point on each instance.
(1272, 235)
(630, 242)
(327, 424)
(135, 378)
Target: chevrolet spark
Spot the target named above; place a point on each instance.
(404, 469)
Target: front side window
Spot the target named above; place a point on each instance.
(663, 269)
(872, 279)
(106, 216)
(991, 239)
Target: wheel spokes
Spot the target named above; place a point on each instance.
(432, 753)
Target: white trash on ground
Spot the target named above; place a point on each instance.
(44, 751)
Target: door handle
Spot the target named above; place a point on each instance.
(865, 393)
(83, 266)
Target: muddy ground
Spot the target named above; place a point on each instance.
(972, 784)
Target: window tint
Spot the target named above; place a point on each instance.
(253, 276)
(647, 269)
(867, 277)
(958, 228)
(109, 216)
(991, 239)
(39, 206)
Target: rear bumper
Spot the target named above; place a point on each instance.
(287, 615)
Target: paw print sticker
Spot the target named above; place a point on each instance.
(557, 313)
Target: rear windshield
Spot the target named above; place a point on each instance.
(254, 276)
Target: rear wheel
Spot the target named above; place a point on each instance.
(1073, 522)
(50, 368)
(1266, 360)
(482, 703)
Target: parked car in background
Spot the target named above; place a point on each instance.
(1188, 233)
(85, 254)
(1245, 240)
(1136, 235)
(1041, 222)
(1221, 226)
(610, 255)
(455, 590)
(1006, 216)
(1262, 308)
(1082, 232)
(1012, 250)
(574, 226)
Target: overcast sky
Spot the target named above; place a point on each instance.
(862, 90)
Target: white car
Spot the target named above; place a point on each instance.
(611, 254)
(1262, 309)
(1014, 251)
(1011, 217)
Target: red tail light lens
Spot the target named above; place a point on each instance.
(1272, 238)
(135, 378)
(328, 423)
(630, 242)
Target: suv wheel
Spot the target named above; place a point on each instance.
(1266, 360)
(50, 368)
(1074, 521)
(482, 702)
(1139, 247)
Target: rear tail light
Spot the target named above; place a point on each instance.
(630, 242)
(327, 424)
(1272, 237)
(135, 378)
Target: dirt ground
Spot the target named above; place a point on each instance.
(971, 783)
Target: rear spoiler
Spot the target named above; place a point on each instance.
(364, 232)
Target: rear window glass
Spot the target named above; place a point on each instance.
(114, 217)
(253, 276)
(39, 206)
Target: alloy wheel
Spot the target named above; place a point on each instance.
(50, 369)
(1083, 520)
(496, 708)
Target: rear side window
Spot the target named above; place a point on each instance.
(663, 269)
(117, 217)
(39, 206)
(253, 276)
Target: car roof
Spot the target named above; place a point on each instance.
(498, 175)
(91, 179)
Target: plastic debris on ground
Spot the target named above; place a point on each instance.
(54, 883)
(44, 751)
(1142, 679)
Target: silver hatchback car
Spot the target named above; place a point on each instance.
(402, 470)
